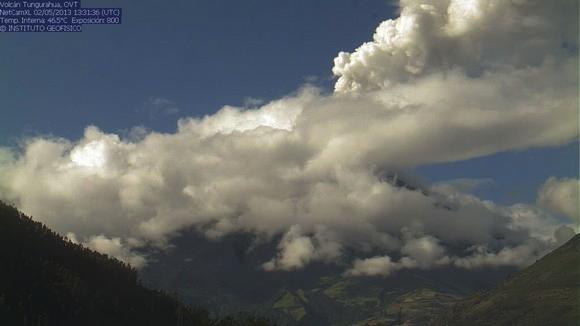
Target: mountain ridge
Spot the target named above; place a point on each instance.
(47, 280)
(545, 293)
(317, 295)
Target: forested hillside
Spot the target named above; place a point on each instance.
(47, 280)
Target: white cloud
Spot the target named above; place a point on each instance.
(89, 155)
(375, 266)
(418, 251)
(561, 196)
(115, 248)
(521, 255)
(473, 36)
(450, 81)
(426, 251)
(297, 250)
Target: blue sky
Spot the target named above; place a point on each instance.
(200, 55)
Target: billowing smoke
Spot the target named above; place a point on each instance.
(329, 174)
(470, 36)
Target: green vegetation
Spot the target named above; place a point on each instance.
(350, 292)
(292, 305)
(419, 306)
(222, 276)
(47, 280)
(546, 293)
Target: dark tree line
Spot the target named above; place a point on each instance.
(47, 280)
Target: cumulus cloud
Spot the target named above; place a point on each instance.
(115, 248)
(426, 252)
(448, 81)
(562, 196)
(474, 36)
(297, 250)
(418, 252)
(375, 266)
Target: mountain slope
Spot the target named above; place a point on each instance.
(546, 293)
(47, 280)
(225, 277)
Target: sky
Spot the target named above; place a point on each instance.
(169, 61)
(475, 100)
(186, 52)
